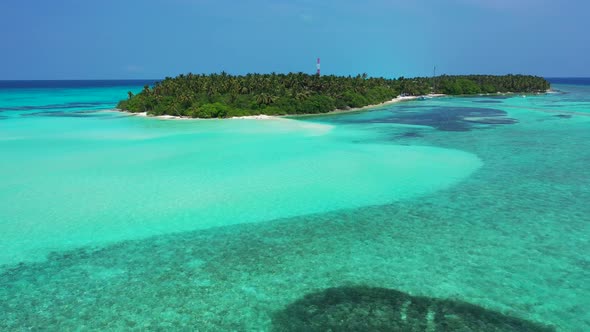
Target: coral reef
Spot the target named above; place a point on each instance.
(364, 308)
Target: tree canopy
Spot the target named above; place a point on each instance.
(223, 95)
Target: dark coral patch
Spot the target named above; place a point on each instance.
(379, 309)
(441, 118)
(409, 134)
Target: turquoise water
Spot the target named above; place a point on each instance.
(111, 221)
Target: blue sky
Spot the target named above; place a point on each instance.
(73, 39)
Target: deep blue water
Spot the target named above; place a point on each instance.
(73, 83)
(569, 80)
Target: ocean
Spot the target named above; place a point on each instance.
(114, 221)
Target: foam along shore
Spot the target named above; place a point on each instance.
(393, 101)
(173, 117)
(270, 117)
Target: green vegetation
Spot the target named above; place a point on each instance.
(223, 95)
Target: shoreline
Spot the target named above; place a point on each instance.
(272, 117)
(395, 100)
(177, 117)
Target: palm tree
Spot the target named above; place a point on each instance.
(177, 95)
(265, 99)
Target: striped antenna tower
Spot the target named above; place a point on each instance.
(318, 67)
(434, 80)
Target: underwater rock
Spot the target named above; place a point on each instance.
(380, 309)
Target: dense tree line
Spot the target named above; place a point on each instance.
(223, 95)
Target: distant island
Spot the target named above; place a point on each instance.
(223, 95)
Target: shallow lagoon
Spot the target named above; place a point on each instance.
(108, 179)
(221, 224)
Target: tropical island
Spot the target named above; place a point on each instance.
(223, 95)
